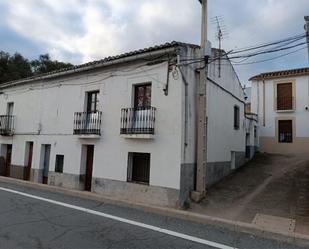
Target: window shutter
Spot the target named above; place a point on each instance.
(284, 96)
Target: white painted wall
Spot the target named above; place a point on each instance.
(53, 103)
(222, 137)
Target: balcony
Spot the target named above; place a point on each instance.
(87, 124)
(285, 104)
(137, 122)
(7, 125)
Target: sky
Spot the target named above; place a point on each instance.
(79, 31)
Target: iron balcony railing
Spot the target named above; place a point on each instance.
(285, 103)
(87, 123)
(285, 137)
(139, 120)
(7, 125)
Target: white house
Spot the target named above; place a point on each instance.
(123, 126)
(281, 100)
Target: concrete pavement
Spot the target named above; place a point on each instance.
(27, 222)
(271, 187)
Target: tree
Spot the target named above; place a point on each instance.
(13, 67)
(16, 67)
(44, 65)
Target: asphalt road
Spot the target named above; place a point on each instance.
(31, 218)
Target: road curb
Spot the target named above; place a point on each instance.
(298, 239)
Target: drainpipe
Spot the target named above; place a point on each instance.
(185, 82)
(264, 103)
(165, 88)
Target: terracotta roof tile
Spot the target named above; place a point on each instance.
(107, 59)
(281, 74)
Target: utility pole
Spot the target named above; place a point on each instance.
(202, 113)
(307, 32)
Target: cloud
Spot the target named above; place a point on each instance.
(79, 31)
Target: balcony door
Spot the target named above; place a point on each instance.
(142, 104)
(9, 117)
(10, 108)
(92, 101)
(142, 96)
(92, 109)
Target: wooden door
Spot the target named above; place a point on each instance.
(46, 163)
(8, 159)
(89, 167)
(29, 161)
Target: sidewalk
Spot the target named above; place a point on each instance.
(272, 192)
(276, 186)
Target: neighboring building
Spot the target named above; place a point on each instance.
(281, 100)
(247, 91)
(123, 126)
(251, 126)
(251, 134)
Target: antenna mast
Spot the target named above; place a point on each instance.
(219, 35)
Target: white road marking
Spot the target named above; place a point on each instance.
(131, 222)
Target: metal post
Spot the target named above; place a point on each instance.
(202, 113)
(307, 31)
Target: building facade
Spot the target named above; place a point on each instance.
(281, 100)
(124, 126)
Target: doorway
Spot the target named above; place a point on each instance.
(29, 154)
(8, 159)
(45, 162)
(89, 167)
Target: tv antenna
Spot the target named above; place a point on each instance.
(220, 34)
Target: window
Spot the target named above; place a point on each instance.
(59, 163)
(236, 117)
(255, 131)
(284, 96)
(285, 130)
(142, 96)
(139, 167)
(93, 101)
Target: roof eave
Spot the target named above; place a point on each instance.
(169, 49)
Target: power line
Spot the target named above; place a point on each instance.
(273, 58)
(282, 45)
(267, 44)
(268, 51)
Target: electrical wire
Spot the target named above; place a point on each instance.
(281, 45)
(269, 44)
(273, 58)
